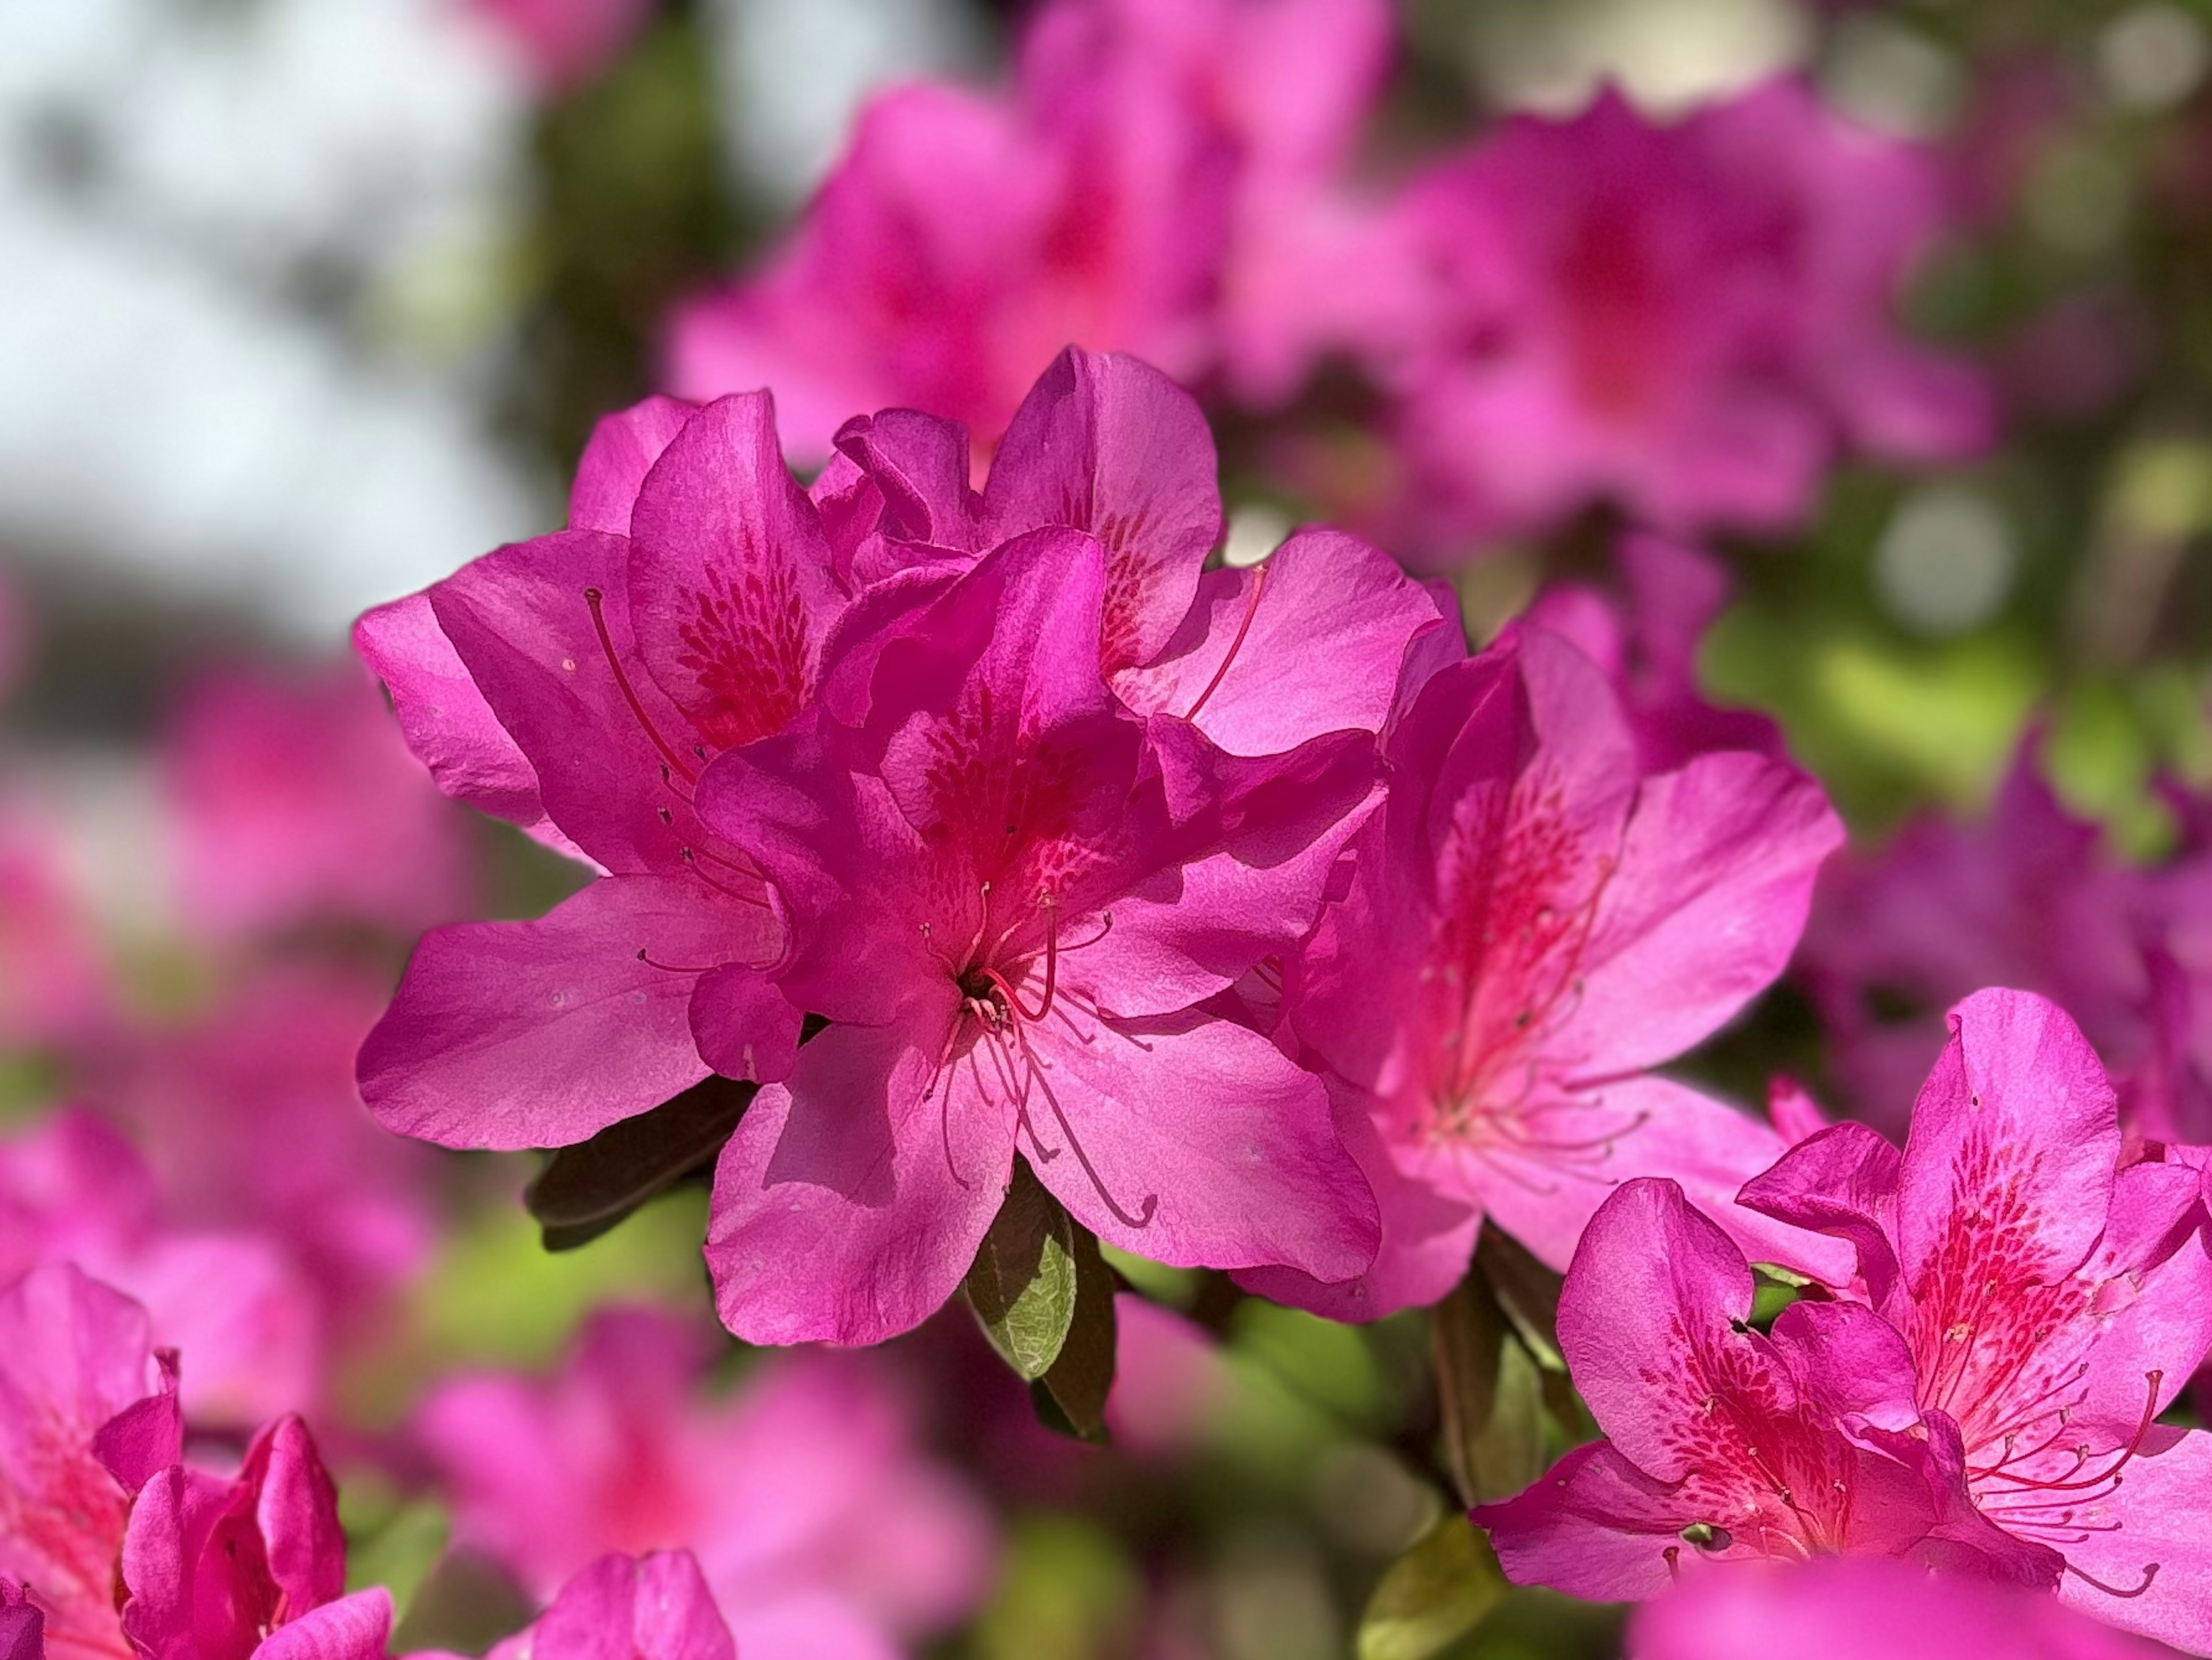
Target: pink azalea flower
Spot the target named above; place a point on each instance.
(1170, 1383)
(1725, 1445)
(656, 1607)
(73, 1188)
(1532, 924)
(249, 1119)
(578, 685)
(1108, 445)
(124, 1550)
(84, 1408)
(2029, 896)
(1009, 894)
(1646, 640)
(565, 43)
(212, 1565)
(1862, 1609)
(2053, 1302)
(1686, 319)
(1153, 166)
(819, 1526)
(294, 802)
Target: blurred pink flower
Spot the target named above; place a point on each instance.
(1724, 1445)
(1533, 923)
(2032, 896)
(1646, 640)
(249, 1119)
(655, 1607)
(1845, 1608)
(820, 1527)
(217, 1567)
(55, 988)
(87, 1414)
(295, 802)
(1154, 172)
(565, 43)
(2054, 1304)
(1170, 1380)
(1686, 319)
(72, 1189)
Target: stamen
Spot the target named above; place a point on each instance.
(1251, 605)
(1067, 1132)
(2134, 1445)
(672, 968)
(596, 600)
(691, 859)
(2149, 1573)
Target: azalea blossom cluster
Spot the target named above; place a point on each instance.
(1688, 319)
(1979, 1394)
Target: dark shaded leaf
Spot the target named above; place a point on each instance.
(586, 1189)
(1023, 1283)
(1432, 1595)
(1527, 1291)
(1071, 1397)
(1492, 1391)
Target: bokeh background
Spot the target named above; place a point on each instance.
(305, 302)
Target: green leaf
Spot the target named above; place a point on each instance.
(1492, 1391)
(1432, 1595)
(1023, 1283)
(586, 1189)
(1527, 1291)
(1071, 1397)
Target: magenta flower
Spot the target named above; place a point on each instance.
(212, 1565)
(249, 1119)
(86, 1413)
(293, 801)
(1532, 924)
(816, 1521)
(2053, 1304)
(2029, 896)
(1107, 444)
(124, 1549)
(1863, 1610)
(1008, 894)
(1150, 184)
(1685, 320)
(655, 1607)
(578, 685)
(1724, 1445)
(232, 1299)
(1646, 640)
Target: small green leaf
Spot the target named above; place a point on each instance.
(1432, 1595)
(586, 1189)
(1527, 1291)
(1072, 1396)
(1023, 1282)
(1492, 1391)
